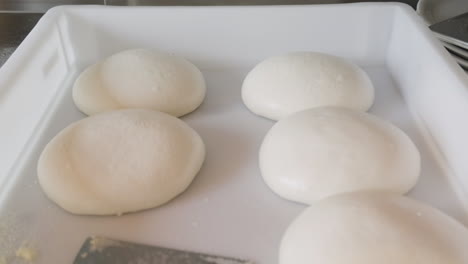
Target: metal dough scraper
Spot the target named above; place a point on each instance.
(100, 250)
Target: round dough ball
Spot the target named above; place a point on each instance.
(324, 151)
(370, 228)
(282, 85)
(120, 161)
(140, 79)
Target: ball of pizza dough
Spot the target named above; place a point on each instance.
(282, 85)
(140, 78)
(324, 151)
(373, 227)
(120, 161)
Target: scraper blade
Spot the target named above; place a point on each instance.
(100, 250)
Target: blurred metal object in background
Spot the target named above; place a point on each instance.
(41, 6)
(18, 17)
(44, 5)
(453, 33)
(453, 30)
(243, 2)
(13, 29)
(448, 19)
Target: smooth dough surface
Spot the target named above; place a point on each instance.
(282, 85)
(140, 78)
(370, 228)
(324, 151)
(120, 161)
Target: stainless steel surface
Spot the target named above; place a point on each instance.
(453, 30)
(98, 250)
(44, 5)
(36, 6)
(244, 2)
(453, 33)
(461, 61)
(13, 29)
(18, 17)
(457, 50)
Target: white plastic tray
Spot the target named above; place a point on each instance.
(227, 210)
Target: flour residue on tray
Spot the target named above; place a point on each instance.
(9, 233)
(13, 245)
(26, 253)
